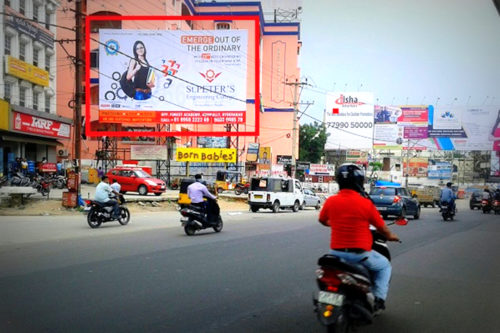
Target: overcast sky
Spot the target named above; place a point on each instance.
(404, 51)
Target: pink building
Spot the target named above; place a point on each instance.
(279, 50)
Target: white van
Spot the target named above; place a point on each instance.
(275, 193)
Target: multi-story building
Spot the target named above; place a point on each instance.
(279, 49)
(29, 125)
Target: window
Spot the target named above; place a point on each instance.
(6, 92)
(47, 21)
(47, 103)
(35, 12)
(22, 96)
(222, 26)
(22, 51)
(35, 57)
(35, 100)
(47, 62)
(22, 7)
(8, 41)
(383, 191)
(94, 58)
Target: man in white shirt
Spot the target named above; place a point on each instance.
(102, 192)
(196, 191)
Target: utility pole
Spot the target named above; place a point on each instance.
(296, 103)
(78, 94)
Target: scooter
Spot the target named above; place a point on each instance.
(496, 206)
(447, 211)
(486, 206)
(195, 218)
(345, 299)
(99, 213)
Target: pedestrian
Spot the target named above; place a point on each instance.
(24, 166)
(100, 173)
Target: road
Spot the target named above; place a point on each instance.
(257, 275)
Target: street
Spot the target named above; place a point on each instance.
(257, 275)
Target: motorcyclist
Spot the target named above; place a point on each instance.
(117, 188)
(496, 194)
(102, 193)
(349, 215)
(487, 194)
(448, 196)
(196, 192)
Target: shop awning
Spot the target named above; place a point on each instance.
(29, 139)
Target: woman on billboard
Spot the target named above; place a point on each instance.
(142, 74)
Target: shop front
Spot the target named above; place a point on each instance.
(32, 136)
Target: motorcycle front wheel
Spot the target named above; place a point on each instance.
(218, 227)
(93, 219)
(124, 216)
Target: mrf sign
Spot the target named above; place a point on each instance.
(26, 123)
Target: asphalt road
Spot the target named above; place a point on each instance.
(257, 275)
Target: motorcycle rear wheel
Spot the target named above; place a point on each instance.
(237, 191)
(190, 229)
(124, 216)
(93, 219)
(341, 325)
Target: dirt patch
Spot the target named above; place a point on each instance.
(54, 207)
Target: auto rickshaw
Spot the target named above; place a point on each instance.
(227, 180)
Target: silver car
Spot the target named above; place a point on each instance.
(311, 200)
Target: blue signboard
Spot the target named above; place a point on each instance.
(439, 170)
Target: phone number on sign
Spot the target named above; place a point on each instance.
(352, 124)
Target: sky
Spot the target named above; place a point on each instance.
(407, 52)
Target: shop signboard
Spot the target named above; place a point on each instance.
(28, 72)
(26, 123)
(207, 155)
(302, 165)
(322, 170)
(28, 27)
(284, 159)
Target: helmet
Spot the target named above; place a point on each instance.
(449, 184)
(350, 176)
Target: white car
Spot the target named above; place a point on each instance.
(275, 193)
(311, 200)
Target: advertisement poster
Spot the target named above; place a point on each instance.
(387, 136)
(414, 120)
(321, 170)
(265, 156)
(349, 120)
(173, 76)
(253, 152)
(417, 167)
(439, 170)
(446, 121)
(206, 155)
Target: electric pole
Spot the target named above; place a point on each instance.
(78, 92)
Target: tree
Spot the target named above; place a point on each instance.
(312, 139)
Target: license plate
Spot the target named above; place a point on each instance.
(257, 196)
(330, 298)
(382, 208)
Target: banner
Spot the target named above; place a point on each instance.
(41, 126)
(349, 119)
(417, 167)
(357, 157)
(439, 170)
(321, 170)
(253, 152)
(148, 152)
(174, 76)
(265, 156)
(207, 155)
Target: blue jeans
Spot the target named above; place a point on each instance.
(377, 264)
(140, 96)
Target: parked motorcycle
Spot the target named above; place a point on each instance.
(241, 188)
(486, 206)
(496, 206)
(345, 299)
(99, 213)
(447, 211)
(41, 185)
(194, 218)
(18, 179)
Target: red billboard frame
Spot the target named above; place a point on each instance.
(89, 19)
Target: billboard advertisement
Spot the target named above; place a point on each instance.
(417, 167)
(173, 76)
(206, 155)
(439, 170)
(349, 119)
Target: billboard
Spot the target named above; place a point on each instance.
(439, 170)
(139, 70)
(206, 155)
(148, 152)
(349, 120)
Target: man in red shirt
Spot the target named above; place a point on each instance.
(349, 214)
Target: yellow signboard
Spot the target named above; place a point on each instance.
(25, 71)
(4, 115)
(206, 155)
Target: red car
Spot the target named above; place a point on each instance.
(136, 180)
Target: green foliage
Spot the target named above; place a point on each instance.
(376, 166)
(312, 139)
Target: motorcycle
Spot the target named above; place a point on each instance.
(345, 299)
(447, 211)
(496, 206)
(99, 213)
(41, 185)
(486, 206)
(195, 218)
(241, 188)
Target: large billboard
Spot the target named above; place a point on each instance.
(349, 119)
(173, 76)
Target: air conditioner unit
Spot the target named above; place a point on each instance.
(62, 152)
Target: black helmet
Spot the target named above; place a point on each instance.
(449, 184)
(350, 176)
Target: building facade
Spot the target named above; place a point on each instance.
(279, 51)
(30, 127)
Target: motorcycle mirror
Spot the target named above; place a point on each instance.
(401, 221)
